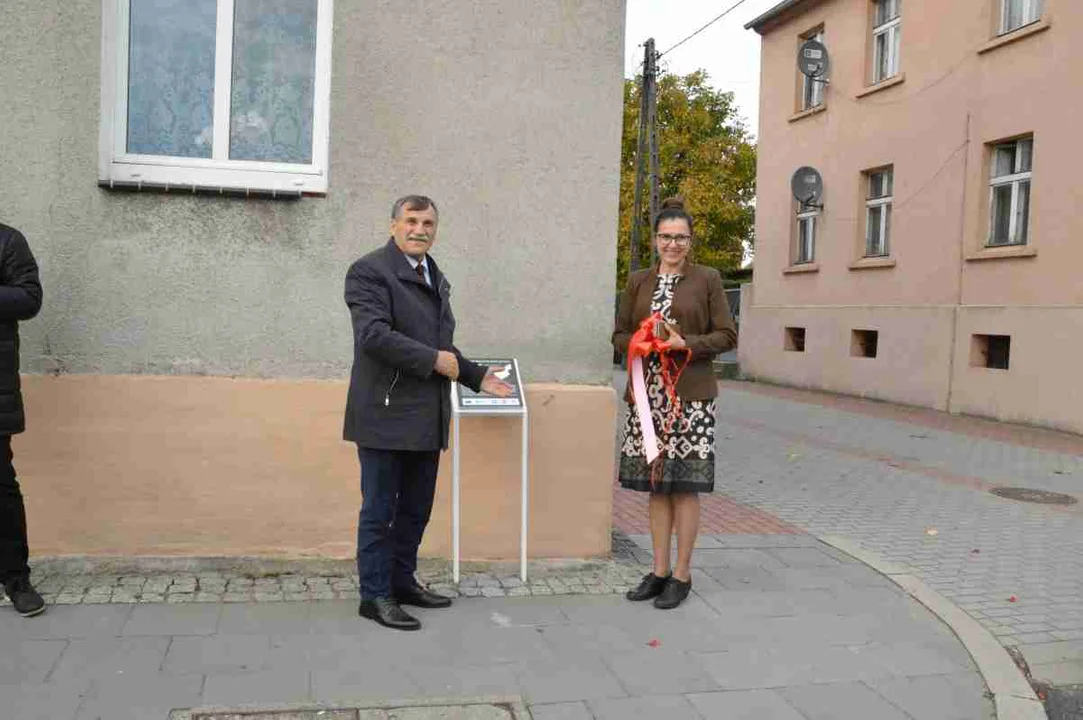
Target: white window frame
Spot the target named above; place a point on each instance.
(118, 168)
(891, 31)
(812, 90)
(875, 203)
(1032, 13)
(1016, 180)
(806, 216)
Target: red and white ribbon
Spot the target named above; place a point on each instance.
(643, 410)
(643, 344)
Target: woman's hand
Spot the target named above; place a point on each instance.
(674, 338)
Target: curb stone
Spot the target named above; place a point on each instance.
(1013, 697)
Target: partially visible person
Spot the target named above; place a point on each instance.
(696, 321)
(398, 408)
(20, 299)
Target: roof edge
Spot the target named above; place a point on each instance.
(758, 23)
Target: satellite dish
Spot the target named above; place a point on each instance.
(812, 59)
(808, 186)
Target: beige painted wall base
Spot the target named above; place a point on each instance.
(201, 466)
(916, 363)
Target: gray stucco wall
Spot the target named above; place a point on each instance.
(507, 112)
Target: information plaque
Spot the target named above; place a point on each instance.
(468, 402)
(465, 401)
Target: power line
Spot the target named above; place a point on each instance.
(736, 5)
(925, 185)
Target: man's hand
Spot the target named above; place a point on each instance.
(447, 364)
(495, 386)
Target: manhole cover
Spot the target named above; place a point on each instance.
(1034, 496)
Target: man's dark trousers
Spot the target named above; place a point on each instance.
(398, 487)
(13, 547)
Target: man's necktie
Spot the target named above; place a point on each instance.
(421, 273)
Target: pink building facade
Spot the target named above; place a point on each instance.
(943, 268)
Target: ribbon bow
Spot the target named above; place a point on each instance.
(643, 344)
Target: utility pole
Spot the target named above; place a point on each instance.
(646, 152)
(652, 124)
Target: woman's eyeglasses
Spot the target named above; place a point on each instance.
(666, 239)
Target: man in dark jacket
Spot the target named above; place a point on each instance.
(20, 299)
(399, 405)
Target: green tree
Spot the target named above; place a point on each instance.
(706, 155)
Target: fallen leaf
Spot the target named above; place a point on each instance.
(654, 643)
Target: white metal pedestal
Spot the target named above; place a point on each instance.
(456, 451)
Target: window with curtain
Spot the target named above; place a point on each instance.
(886, 39)
(812, 90)
(881, 189)
(806, 236)
(1010, 192)
(219, 94)
(1015, 14)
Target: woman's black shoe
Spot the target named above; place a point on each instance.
(651, 586)
(674, 594)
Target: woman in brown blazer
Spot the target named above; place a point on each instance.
(697, 316)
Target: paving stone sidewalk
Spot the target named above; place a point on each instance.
(915, 489)
(779, 627)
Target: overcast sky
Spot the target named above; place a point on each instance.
(729, 53)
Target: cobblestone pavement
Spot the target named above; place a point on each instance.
(912, 486)
(59, 586)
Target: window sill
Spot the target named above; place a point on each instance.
(822, 107)
(802, 268)
(882, 85)
(1015, 35)
(873, 263)
(1003, 253)
(206, 176)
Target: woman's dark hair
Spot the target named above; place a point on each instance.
(673, 209)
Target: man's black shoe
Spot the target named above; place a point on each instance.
(674, 594)
(388, 613)
(24, 597)
(422, 598)
(650, 586)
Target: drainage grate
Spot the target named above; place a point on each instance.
(496, 708)
(1030, 495)
(287, 715)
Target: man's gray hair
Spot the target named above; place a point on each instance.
(413, 202)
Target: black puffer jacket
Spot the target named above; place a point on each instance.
(20, 299)
(396, 400)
